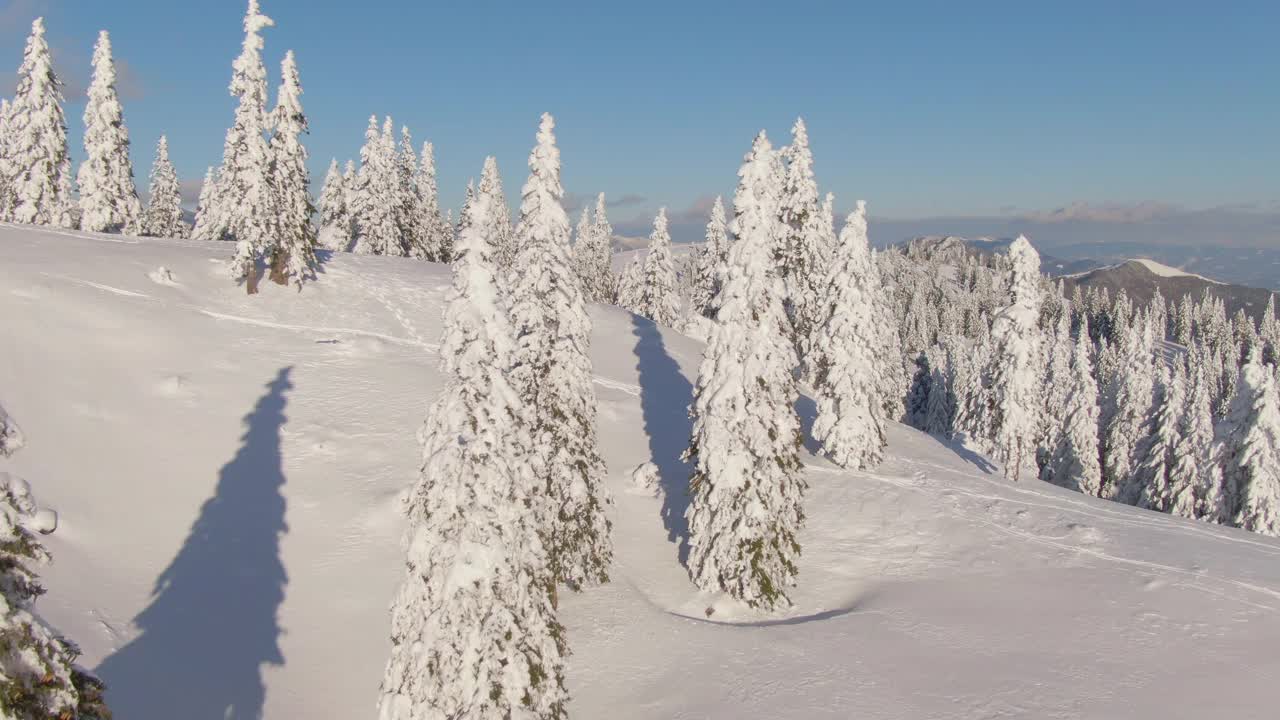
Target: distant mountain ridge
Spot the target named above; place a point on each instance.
(1138, 277)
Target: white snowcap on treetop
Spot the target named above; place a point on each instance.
(254, 20)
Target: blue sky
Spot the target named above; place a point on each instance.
(927, 110)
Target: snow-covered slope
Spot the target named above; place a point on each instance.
(227, 472)
(1165, 271)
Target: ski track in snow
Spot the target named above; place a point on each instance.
(919, 482)
(317, 330)
(99, 286)
(77, 234)
(397, 312)
(1158, 521)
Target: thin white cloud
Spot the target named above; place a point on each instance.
(1103, 212)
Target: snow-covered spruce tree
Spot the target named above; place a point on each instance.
(747, 487)
(593, 257)
(893, 377)
(389, 166)
(1133, 391)
(108, 196)
(293, 254)
(37, 162)
(468, 198)
(163, 216)
(940, 411)
(850, 422)
(658, 298)
(581, 238)
(375, 193)
(39, 677)
(1056, 383)
(1250, 447)
(11, 438)
(410, 216)
(207, 207)
(711, 263)
(335, 216)
(4, 157)
(1013, 370)
(1196, 476)
(553, 375)
(244, 201)
(804, 244)
(629, 284)
(1157, 462)
(438, 243)
(473, 630)
(1269, 334)
(1074, 462)
(602, 236)
(499, 220)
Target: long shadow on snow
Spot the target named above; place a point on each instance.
(969, 456)
(212, 624)
(665, 396)
(853, 605)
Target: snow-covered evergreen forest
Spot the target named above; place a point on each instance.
(814, 345)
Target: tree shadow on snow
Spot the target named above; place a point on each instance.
(665, 396)
(212, 623)
(969, 456)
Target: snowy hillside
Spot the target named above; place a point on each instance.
(227, 470)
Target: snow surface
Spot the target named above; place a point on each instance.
(1156, 268)
(227, 470)
(1166, 271)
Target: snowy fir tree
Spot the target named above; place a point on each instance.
(206, 206)
(747, 487)
(438, 243)
(1074, 462)
(1157, 462)
(1196, 476)
(850, 422)
(712, 259)
(243, 202)
(1056, 383)
(1014, 370)
(1132, 384)
(553, 375)
(921, 387)
(37, 164)
(108, 196)
(293, 254)
(39, 677)
(499, 220)
(593, 256)
(473, 630)
(465, 216)
(582, 238)
(335, 216)
(1269, 334)
(163, 216)
(374, 206)
(657, 297)
(629, 285)
(410, 217)
(1250, 451)
(11, 438)
(893, 378)
(804, 243)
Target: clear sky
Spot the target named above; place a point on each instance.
(926, 109)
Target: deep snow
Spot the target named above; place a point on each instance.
(227, 472)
